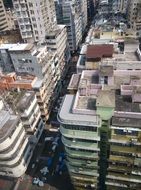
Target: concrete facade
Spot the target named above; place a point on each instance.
(24, 130)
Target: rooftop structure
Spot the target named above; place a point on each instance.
(97, 52)
(16, 47)
(48, 63)
(116, 53)
(10, 36)
(107, 100)
(28, 82)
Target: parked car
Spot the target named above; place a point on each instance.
(54, 129)
(35, 181)
(49, 139)
(54, 148)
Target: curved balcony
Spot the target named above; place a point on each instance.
(80, 145)
(75, 122)
(82, 154)
(83, 163)
(90, 135)
(82, 171)
(84, 178)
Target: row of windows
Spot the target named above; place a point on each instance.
(123, 145)
(81, 140)
(121, 154)
(82, 150)
(125, 132)
(81, 128)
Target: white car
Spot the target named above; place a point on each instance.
(35, 181)
(54, 129)
(49, 139)
(41, 183)
(54, 148)
(55, 143)
(44, 170)
(33, 166)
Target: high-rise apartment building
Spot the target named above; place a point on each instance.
(120, 6)
(58, 44)
(28, 82)
(73, 14)
(72, 20)
(20, 129)
(37, 61)
(35, 19)
(99, 132)
(3, 18)
(84, 14)
(134, 16)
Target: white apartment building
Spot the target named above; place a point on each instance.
(72, 19)
(20, 130)
(36, 18)
(120, 6)
(57, 43)
(3, 19)
(47, 65)
(30, 113)
(134, 16)
(84, 13)
(26, 58)
(73, 14)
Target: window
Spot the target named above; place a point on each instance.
(81, 128)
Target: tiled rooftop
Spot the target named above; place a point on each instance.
(99, 51)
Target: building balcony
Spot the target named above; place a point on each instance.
(124, 177)
(16, 156)
(82, 171)
(80, 145)
(80, 154)
(125, 149)
(84, 178)
(136, 172)
(125, 139)
(116, 184)
(83, 163)
(9, 151)
(121, 159)
(90, 135)
(119, 168)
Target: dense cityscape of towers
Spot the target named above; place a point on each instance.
(100, 116)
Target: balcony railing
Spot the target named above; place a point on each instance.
(80, 145)
(125, 149)
(80, 170)
(123, 177)
(77, 122)
(83, 163)
(90, 135)
(76, 153)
